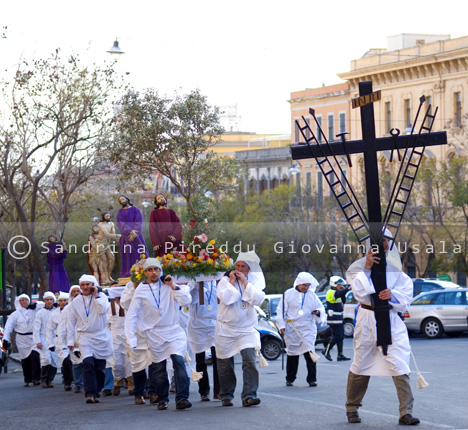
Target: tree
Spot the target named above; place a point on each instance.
(173, 136)
(57, 114)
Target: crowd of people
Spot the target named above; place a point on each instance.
(136, 333)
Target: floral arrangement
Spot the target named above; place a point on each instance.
(137, 272)
(200, 257)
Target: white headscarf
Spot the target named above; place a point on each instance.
(306, 278)
(63, 296)
(152, 262)
(89, 278)
(17, 301)
(253, 261)
(392, 258)
(49, 294)
(71, 289)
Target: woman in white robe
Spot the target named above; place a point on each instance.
(22, 322)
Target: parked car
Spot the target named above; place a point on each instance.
(269, 305)
(438, 312)
(423, 285)
(270, 338)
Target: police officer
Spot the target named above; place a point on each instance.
(335, 298)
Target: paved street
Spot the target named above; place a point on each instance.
(442, 405)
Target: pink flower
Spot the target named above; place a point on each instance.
(203, 237)
(204, 254)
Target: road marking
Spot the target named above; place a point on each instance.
(331, 405)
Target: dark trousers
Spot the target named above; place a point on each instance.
(337, 339)
(67, 371)
(182, 381)
(204, 383)
(31, 367)
(292, 363)
(94, 375)
(48, 373)
(140, 380)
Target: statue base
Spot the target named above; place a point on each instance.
(123, 281)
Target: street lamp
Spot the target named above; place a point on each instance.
(115, 51)
(94, 219)
(146, 203)
(293, 169)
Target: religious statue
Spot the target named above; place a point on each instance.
(165, 228)
(132, 243)
(56, 254)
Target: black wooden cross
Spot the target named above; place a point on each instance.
(413, 149)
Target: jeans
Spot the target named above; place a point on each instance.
(140, 382)
(109, 379)
(292, 363)
(77, 370)
(94, 375)
(48, 373)
(31, 367)
(67, 371)
(182, 381)
(227, 376)
(204, 383)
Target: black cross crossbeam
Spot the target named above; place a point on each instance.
(303, 151)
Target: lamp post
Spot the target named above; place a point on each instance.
(115, 51)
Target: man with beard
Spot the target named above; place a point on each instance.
(132, 244)
(105, 256)
(49, 359)
(88, 317)
(155, 311)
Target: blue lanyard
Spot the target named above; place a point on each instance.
(87, 311)
(303, 298)
(158, 302)
(211, 292)
(238, 286)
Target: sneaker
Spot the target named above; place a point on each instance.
(227, 402)
(353, 417)
(77, 389)
(289, 384)
(327, 355)
(162, 406)
(139, 400)
(408, 420)
(36, 382)
(67, 387)
(313, 384)
(183, 404)
(153, 399)
(27, 384)
(106, 393)
(341, 357)
(116, 390)
(250, 402)
(96, 400)
(89, 399)
(205, 398)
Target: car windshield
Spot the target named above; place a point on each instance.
(426, 299)
(274, 305)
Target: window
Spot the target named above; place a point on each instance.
(309, 180)
(319, 189)
(331, 127)
(408, 114)
(429, 111)
(388, 116)
(458, 112)
(318, 133)
(427, 299)
(297, 132)
(342, 122)
(307, 130)
(454, 298)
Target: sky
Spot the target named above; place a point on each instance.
(252, 54)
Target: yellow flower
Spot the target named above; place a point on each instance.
(138, 277)
(194, 264)
(132, 269)
(169, 256)
(212, 242)
(209, 261)
(226, 263)
(158, 258)
(142, 256)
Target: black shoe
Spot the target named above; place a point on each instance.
(327, 355)
(183, 404)
(353, 417)
(77, 389)
(162, 406)
(205, 398)
(408, 420)
(313, 384)
(27, 384)
(106, 393)
(227, 402)
(289, 384)
(36, 382)
(67, 388)
(341, 357)
(250, 402)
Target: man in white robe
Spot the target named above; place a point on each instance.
(201, 334)
(87, 326)
(54, 344)
(235, 331)
(298, 311)
(155, 311)
(369, 359)
(49, 359)
(22, 322)
(120, 362)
